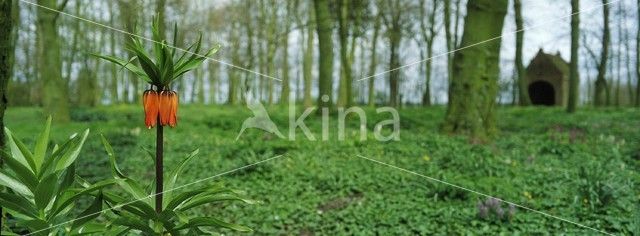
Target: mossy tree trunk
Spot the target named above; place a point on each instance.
(574, 79)
(232, 74)
(637, 102)
(7, 48)
(286, 81)
(428, 30)
(55, 92)
(129, 16)
(523, 93)
(307, 63)
(344, 89)
(601, 87)
(272, 49)
(448, 37)
(396, 22)
(474, 86)
(373, 62)
(325, 48)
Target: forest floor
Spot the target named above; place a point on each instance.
(584, 168)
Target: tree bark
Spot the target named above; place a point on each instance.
(232, 74)
(344, 90)
(473, 89)
(637, 96)
(448, 38)
(428, 35)
(7, 48)
(373, 64)
(286, 81)
(325, 49)
(55, 93)
(601, 87)
(574, 79)
(307, 64)
(523, 93)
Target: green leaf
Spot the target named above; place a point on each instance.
(19, 151)
(127, 65)
(68, 179)
(61, 204)
(133, 223)
(23, 173)
(10, 182)
(150, 155)
(135, 190)
(121, 206)
(183, 197)
(92, 212)
(173, 177)
(18, 204)
(90, 229)
(115, 170)
(167, 65)
(70, 156)
(45, 190)
(193, 62)
(50, 163)
(41, 145)
(213, 222)
(175, 38)
(207, 199)
(145, 61)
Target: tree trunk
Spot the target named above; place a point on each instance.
(373, 64)
(55, 94)
(448, 38)
(114, 68)
(601, 97)
(523, 93)
(637, 102)
(234, 38)
(574, 79)
(325, 49)
(7, 48)
(307, 64)
(627, 57)
(213, 82)
(286, 86)
(344, 90)
(272, 49)
(129, 16)
(473, 89)
(394, 62)
(428, 34)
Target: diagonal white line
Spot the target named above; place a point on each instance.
(482, 194)
(149, 39)
(153, 195)
(486, 41)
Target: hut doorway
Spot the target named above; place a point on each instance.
(542, 93)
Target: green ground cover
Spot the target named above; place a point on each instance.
(582, 167)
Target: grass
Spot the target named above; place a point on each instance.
(581, 167)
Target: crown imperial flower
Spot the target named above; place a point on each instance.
(160, 107)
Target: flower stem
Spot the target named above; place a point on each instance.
(159, 165)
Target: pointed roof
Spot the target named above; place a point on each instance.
(557, 61)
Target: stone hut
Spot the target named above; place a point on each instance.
(547, 78)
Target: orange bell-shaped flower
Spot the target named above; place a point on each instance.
(168, 108)
(150, 102)
(173, 109)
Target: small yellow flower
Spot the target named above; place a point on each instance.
(528, 195)
(426, 158)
